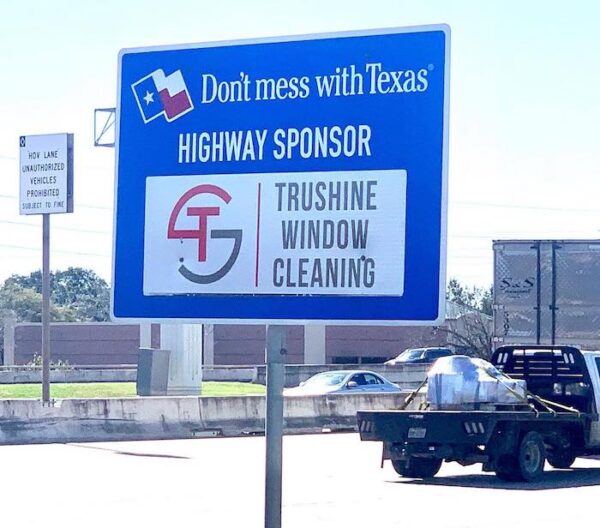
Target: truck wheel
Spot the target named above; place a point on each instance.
(560, 458)
(417, 467)
(527, 464)
(531, 457)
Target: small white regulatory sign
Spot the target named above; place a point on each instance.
(46, 174)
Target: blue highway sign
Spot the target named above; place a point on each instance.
(284, 180)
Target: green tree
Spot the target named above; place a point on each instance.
(79, 289)
(25, 305)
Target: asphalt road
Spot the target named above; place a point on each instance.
(329, 481)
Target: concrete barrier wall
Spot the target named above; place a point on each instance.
(71, 375)
(408, 377)
(12, 375)
(93, 420)
(243, 374)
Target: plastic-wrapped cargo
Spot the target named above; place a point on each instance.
(456, 382)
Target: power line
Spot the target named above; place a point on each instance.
(468, 204)
(75, 229)
(86, 167)
(454, 250)
(86, 206)
(483, 238)
(470, 257)
(458, 202)
(530, 207)
(495, 236)
(29, 248)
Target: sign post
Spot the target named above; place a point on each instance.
(46, 292)
(283, 181)
(275, 358)
(46, 187)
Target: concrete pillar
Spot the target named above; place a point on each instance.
(9, 340)
(208, 353)
(145, 335)
(185, 366)
(314, 344)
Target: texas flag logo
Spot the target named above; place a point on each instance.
(157, 94)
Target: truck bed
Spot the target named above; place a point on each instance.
(451, 427)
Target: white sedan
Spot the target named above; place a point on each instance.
(343, 381)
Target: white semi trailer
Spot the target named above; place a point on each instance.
(547, 292)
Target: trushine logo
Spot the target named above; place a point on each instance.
(159, 95)
(201, 233)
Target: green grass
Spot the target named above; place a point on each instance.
(118, 390)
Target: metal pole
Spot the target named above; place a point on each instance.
(275, 359)
(46, 308)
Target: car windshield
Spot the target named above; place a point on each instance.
(410, 355)
(326, 379)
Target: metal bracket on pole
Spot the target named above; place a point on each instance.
(275, 358)
(104, 127)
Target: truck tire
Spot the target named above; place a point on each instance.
(560, 458)
(417, 467)
(531, 457)
(527, 465)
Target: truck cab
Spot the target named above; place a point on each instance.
(565, 375)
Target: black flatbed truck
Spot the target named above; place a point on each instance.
(558, 422)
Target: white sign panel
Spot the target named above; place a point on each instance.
(316, 233)
(46, 174)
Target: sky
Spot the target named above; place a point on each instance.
(524, 159)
